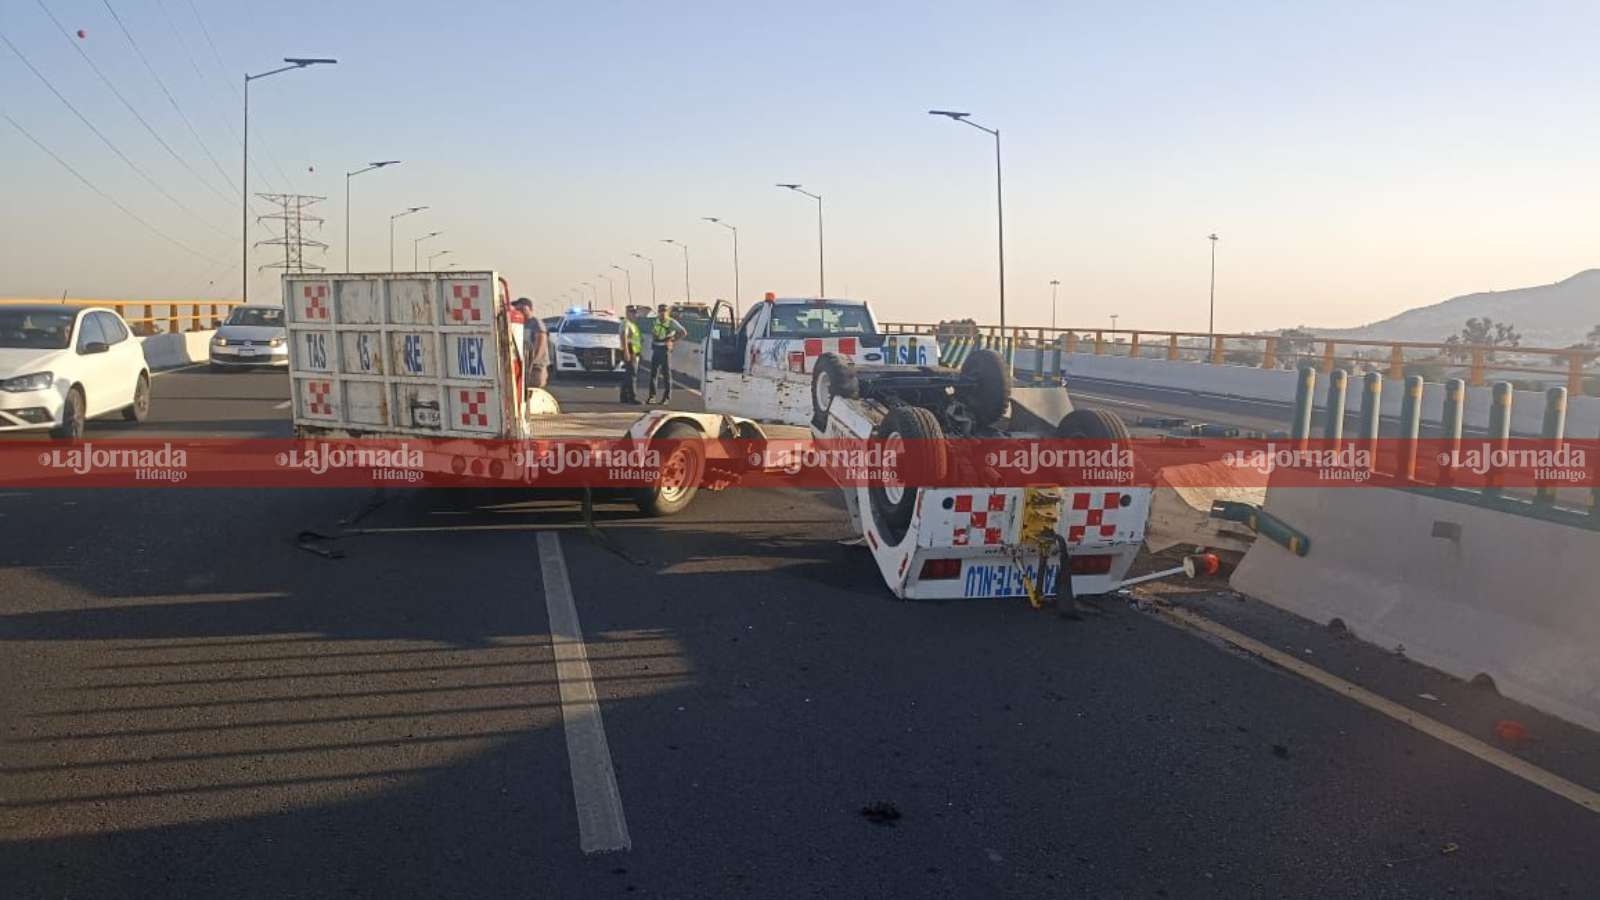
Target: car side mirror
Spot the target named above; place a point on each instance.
(95, 347)
(716, 334)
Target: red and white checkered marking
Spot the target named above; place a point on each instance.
(973, 524)
(805, 359)
(316, 300)
(317, 403)
(1089, 516)
(472, 404)
(463, 303)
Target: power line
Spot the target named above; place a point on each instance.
(163, 85)
(107, 141)
(228, 80)
(147, 127)
(108, 198)
(177, 35)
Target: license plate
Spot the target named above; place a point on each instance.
(1002, 579)
(247, 351)
(425, 416)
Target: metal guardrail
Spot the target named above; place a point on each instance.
(1395, 359)
(197, 315)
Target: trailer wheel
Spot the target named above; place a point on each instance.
(990, 394)
(832, 376)
(914, 435)
(1093, 424)
(681, 471)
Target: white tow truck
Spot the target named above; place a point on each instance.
(433, 357)
(824, 364)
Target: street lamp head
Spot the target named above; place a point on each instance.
(958, 116)
(1054, 282)
(711, 218)
(1213, 237)
(302, 62)
(430, 234)
(668, 241)
(642, 256)
(387, 162)
(792, 187)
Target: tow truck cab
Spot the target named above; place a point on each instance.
(762, 365)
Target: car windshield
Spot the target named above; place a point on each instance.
(814, 319)
(591, 326)
(268, 317)
(36, 329)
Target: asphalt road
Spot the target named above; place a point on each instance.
(194, 705)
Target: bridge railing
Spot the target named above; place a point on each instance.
(1436, 361)
(147, 317)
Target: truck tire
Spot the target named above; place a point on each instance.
(832, 376)
(1093, 424)
(682, 467)
(990, 393)
(913, 431)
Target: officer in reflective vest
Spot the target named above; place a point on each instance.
(630, 359)
(664, 332)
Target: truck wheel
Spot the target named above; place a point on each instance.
(990, 392)
(914, 435)
(681, 471)
(1093, 424)
(833, 376)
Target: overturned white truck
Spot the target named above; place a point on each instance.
(824, 364)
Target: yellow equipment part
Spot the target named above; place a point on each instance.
(1041, 512)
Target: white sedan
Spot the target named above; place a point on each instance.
(588, 341)
(63, 365)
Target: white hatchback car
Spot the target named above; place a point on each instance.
(63, 365)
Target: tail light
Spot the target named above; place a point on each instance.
(1098, 564)
(940, 569)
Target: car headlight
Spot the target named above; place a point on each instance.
(38, 381)
(275, 342)
(219, 341)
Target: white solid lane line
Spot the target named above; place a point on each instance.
(283, 405)
(602, 827)
(1433, 728)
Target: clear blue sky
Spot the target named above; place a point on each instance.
(1356, 158)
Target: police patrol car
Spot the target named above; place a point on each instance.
(588, 341)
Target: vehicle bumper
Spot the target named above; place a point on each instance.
(30, 410)
(230, 356)
(610, 363)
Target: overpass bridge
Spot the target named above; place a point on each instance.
(372, 692)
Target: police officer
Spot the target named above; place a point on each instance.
(630, 359)
(664, 332)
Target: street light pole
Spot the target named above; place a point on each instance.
(1054, 283)
(417, 242)
(999, 193)
(434, 256)
(1211, 326)
(628, 274)
(244, 175)
(822, 281)
(593, 300)
(347, 177)
(652, 278)
(735, 230)
(685, 248)
(399, 215)
(611, 289)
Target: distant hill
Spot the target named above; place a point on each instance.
(1550, 315)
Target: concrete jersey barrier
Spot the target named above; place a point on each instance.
(1462, 588)
(168, 351)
